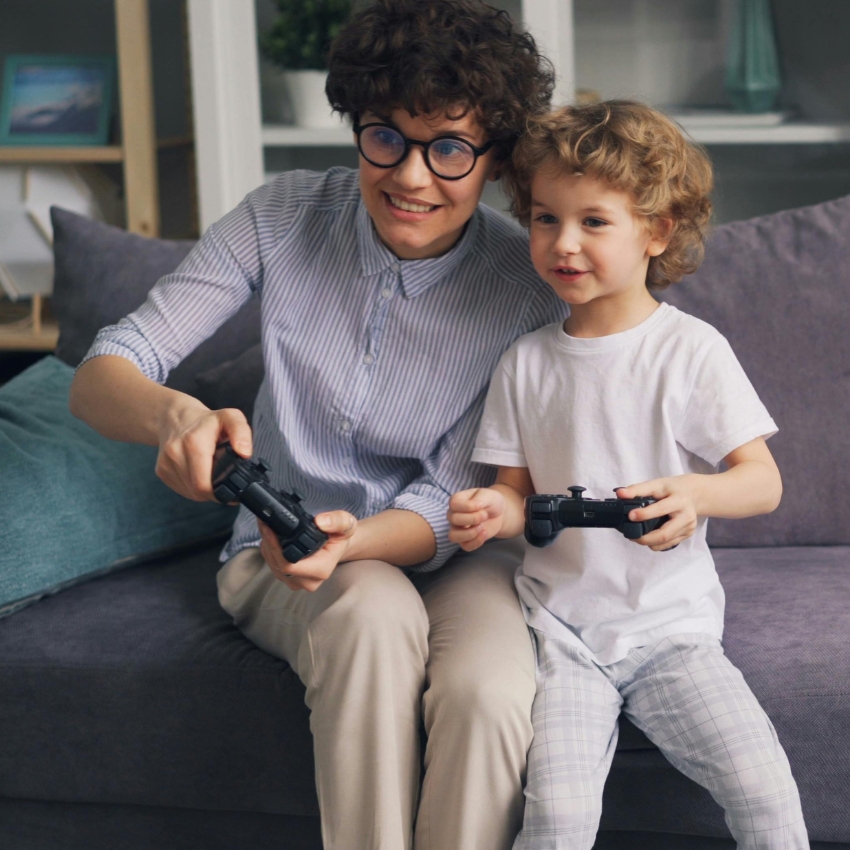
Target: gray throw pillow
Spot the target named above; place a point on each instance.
(103, 273)
(778, 288)
(234, 383)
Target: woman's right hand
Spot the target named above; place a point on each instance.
(189, 435)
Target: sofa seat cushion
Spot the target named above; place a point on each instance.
(787, 627)
(136, 688)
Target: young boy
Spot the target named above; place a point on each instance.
(627, 389)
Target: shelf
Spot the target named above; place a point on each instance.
(286, 136)
(21, 337)
(790, 133)
(110, 153)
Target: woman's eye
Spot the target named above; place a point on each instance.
(387, 138)
(595, 222)
(449, 148)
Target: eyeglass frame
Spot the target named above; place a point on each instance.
(408, 143)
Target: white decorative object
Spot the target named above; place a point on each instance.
(26, 261)
(47, 186)
(310, 107)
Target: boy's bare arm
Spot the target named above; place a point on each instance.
(750, 485)
(481, 513)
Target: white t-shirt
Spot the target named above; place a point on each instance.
(665, 398)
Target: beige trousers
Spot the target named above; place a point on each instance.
(378, 652)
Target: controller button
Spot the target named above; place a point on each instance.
(293, 553)
(238, 480)
(287, 515)
(307, 541)
(224, 494)
(542, 528)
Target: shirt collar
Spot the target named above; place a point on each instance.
(417, 276)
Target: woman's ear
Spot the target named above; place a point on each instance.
(496, 171)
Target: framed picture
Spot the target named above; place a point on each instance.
(56, 100)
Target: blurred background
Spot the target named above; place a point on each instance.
(204, 106)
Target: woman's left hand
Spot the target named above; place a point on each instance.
(309, 573)
(675, 497)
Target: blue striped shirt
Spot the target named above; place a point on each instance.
(376, 368)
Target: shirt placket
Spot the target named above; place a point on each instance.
(351, 417)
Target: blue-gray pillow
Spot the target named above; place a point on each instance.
(74, 504)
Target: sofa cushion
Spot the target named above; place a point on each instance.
(137, 689)
(103, 273)
(778, 288)
(74, 504)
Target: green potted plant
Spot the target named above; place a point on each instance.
(298, 42)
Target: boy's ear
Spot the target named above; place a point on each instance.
(660, 234)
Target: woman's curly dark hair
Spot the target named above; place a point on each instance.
(634, 149)
(449, 56)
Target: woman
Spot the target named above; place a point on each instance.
(388, 295)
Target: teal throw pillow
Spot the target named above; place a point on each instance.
(73, 504)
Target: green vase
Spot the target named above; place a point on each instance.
(752, 63)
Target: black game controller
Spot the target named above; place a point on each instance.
(238, 480)
(547, 515)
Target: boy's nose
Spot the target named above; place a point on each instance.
(567, 243)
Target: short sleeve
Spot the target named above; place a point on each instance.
(499, 441)
(722, 411)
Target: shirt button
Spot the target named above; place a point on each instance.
(345, 425)
(396, 267)
(368, 359)
(386, 294)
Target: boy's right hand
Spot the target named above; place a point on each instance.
(475, 516)
(189, 436)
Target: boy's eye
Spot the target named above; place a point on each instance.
(595, 222)
(546, 218)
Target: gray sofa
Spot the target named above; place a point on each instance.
(134, 715)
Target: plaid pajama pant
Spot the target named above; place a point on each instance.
(692, 703)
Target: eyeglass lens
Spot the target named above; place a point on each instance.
(447, 157)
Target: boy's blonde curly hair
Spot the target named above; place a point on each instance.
(634, 149)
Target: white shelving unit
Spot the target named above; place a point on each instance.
(650, 49)
(285, 136)
(791, 133)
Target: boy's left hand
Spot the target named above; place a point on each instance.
(676, 497)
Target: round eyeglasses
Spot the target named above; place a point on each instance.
(449, 157)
